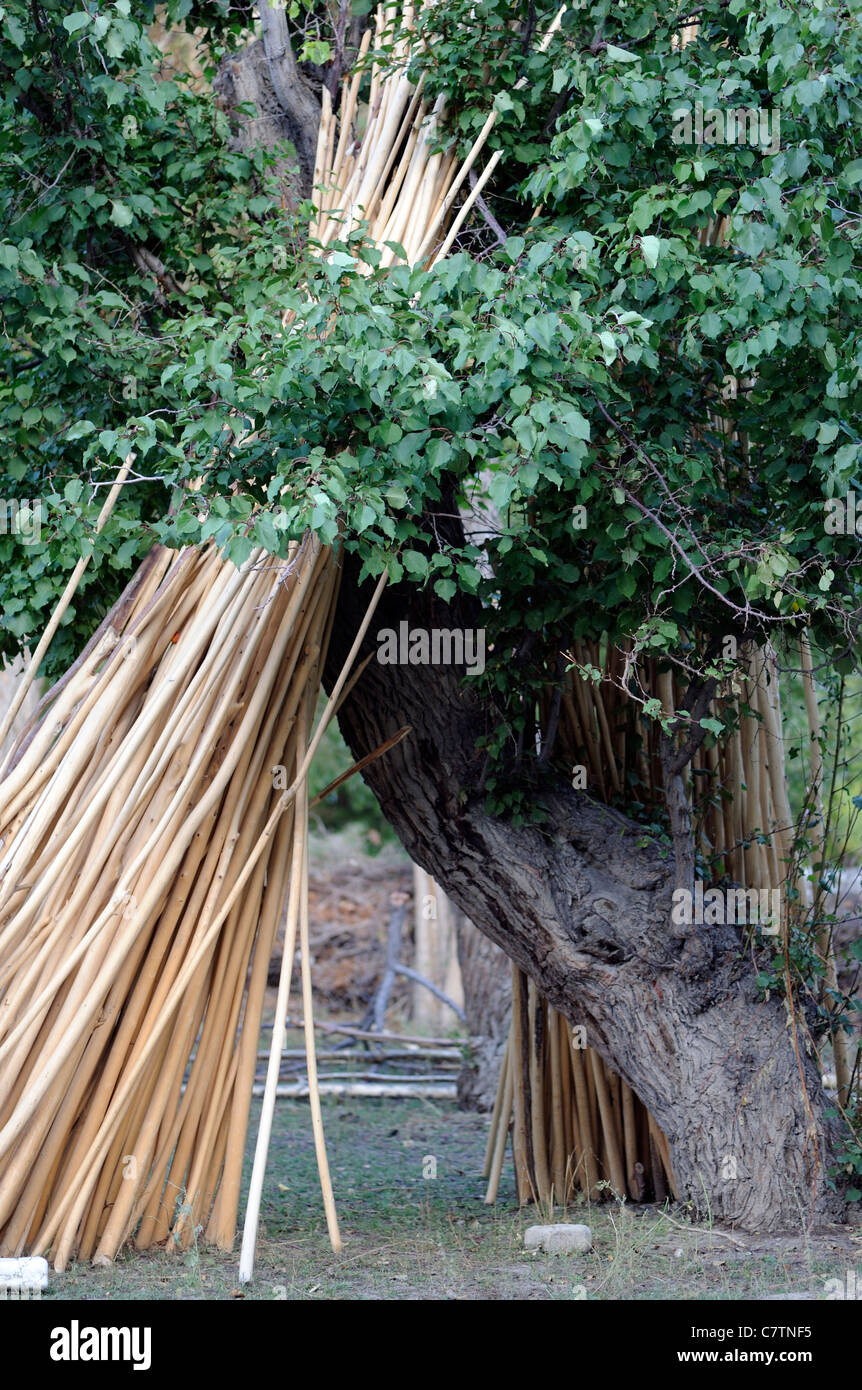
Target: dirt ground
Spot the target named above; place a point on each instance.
(408, 1236)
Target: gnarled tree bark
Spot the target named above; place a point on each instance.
(583, 905)
(266, 75)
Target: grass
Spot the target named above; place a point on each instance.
(408, 1236)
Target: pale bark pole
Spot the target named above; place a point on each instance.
(9, 678)
(817, 833)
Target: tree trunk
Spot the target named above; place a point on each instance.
(582, 904)
(286, 110)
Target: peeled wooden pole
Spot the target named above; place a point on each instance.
(264, 1132)
(535, 1049)
(496, 1166)
(557, 1136)
(523, 1177)
(308, 1018)
(498, 1129)
(496, 1110)
(585, 1124)
(629, 1138)
(574, 1169)
(609, 1129)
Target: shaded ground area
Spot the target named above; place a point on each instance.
(409, 1236)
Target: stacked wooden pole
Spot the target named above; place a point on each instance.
(131, 819)
(395, 181)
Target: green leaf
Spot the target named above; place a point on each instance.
(396, 497)
(414, 563)
(121, 213)
(525, 432)
(539, 253)
(315, 51)
(609, 347)
(576, 424)
(80, 429)
(14, 31)
(73, 22)
(541, 328)
(650, 250)
(31, 265)
(808, 93)
(851, 173)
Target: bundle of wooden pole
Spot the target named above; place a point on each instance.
(396, 180)
(128, 818)
(147, 856)
(576, 1126)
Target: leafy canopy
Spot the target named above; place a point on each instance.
(655, 418)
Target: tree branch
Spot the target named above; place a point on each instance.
(695, 570)
(486, 212)
(148, 264)
(334, 75)
(440, 994)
